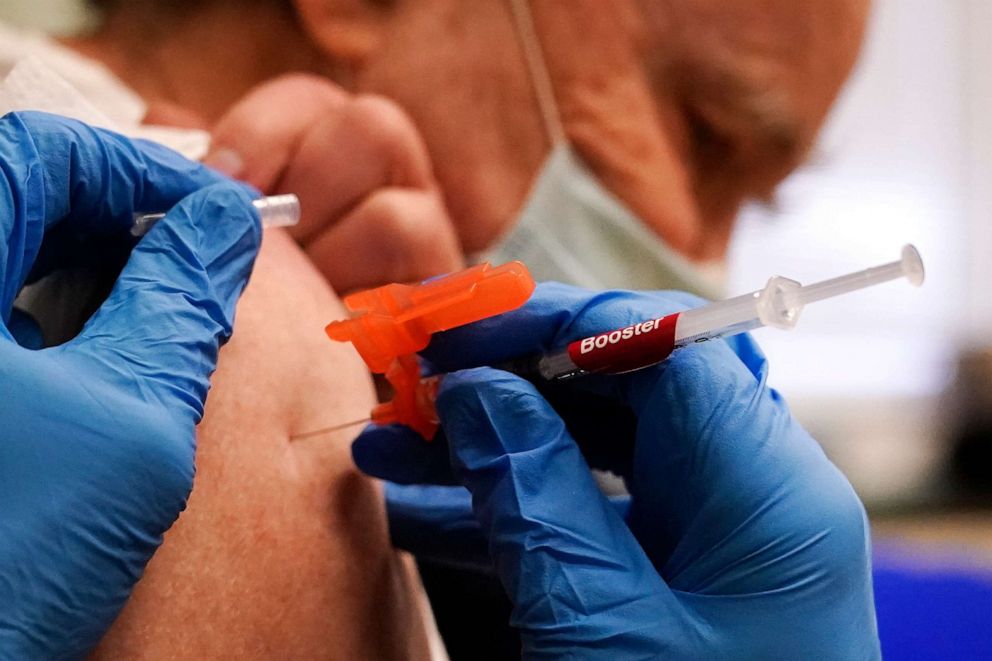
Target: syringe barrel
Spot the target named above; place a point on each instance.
(640, 345)
(278, 210)
(275, 211)
(734, 315)
(558, 365)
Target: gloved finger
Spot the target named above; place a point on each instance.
(437, 524)
(398, 454)
(59, 171)
(555, 315)
(736, 468)
(95, 179)
(573, 570)
(749, 353)
(558, 314)
(604, 427)
(394, 235)
(173, 305)
(25, 330)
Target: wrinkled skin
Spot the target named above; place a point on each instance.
(685, 108)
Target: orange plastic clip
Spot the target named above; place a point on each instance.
(390, 324)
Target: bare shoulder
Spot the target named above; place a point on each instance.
(283, 549)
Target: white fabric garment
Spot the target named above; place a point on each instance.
(40, 74)
(574, 230)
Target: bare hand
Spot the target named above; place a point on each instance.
(372, 211)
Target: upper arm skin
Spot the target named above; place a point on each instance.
(283, 550)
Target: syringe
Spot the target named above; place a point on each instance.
(778, 305)
(275, 210)
(649, 342)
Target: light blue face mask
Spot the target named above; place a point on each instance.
(572, 229)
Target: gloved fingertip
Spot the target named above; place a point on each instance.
(374, 450)
(399, 454)
(700, 365)
(749, 353)
(436, 524)
(25, 329)
(622, 505)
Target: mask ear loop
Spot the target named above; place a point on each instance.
(537, 67)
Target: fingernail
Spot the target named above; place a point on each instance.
(226, 161)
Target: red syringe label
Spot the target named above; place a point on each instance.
(626, 349)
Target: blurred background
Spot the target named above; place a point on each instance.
(905, 158)
(895, 382)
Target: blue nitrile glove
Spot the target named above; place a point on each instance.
(742, 539)
(97, 435)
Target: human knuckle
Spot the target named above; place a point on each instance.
(383, 121)
(419, 224)
(397, 217)
(305, 86)
(262, 111)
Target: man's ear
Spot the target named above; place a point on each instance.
(345, 30)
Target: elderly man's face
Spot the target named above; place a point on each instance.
(684, 109)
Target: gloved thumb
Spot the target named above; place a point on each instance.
(173, 304)
(573, 570)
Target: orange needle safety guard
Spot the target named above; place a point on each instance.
(390, 324)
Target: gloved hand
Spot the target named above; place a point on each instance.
(742, 539)
(97, 435)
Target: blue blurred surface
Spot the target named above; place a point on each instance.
(934, 607)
